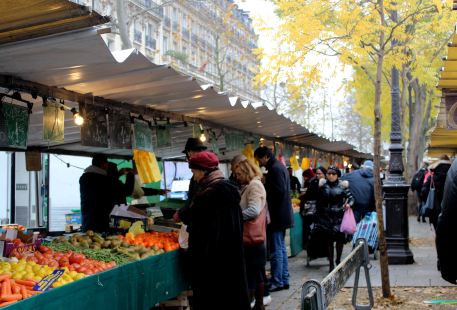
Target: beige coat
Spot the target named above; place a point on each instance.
(253, 199)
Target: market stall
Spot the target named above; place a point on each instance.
(130, 106)
(136, 285)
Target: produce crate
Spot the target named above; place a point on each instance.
(7, 247)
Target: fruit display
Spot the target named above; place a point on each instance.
(77, 256)
(18, 277)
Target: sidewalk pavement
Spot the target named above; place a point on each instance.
(422, 273)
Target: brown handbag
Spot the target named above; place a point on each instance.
(254, 231)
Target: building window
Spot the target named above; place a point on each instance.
(137, 33)
(165, 44)
(150, 37)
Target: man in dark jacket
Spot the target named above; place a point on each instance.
(294, 182)
(416, 185)
(96, 200)
(439, 171)
(361, 185)
(277, 186)
(446, 229)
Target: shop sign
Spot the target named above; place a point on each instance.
(120, 130)
(14, 125)
(53, 122)
(94, 131)
(142, 136)
(163, 135)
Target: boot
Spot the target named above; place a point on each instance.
(339, 252)
(330, 257)
(259, 297)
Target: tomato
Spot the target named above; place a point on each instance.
(44, 249)
(63, 262)
(76, 258)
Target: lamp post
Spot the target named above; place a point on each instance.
(395, 187)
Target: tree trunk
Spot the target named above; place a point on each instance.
(122, 24)
(377, 161)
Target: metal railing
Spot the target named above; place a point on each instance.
(318, 295)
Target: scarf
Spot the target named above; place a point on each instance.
(213, 177)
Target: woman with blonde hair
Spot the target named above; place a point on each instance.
(253, 206)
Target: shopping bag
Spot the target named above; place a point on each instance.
(367, 229)
(348, 224)
(183, 237)
(147, 166)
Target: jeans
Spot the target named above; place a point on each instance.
(278, 261)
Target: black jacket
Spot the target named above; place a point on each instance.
(330, 211)
(312, 192)
(216, 249)
(184, 213)
(279, 199)
(361, 185)
(96, 200)
(447, 229)
(439, 170)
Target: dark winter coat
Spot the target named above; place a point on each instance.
(439, 170)
(184, 213)
(96, 199)
(277, 186)
(311, 194)
(120, 190)
(332, 197)
(447, 228)
(361, 185)
(216, 254)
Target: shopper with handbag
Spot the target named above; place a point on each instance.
(253, 206)
(334, 198)
(439, 171)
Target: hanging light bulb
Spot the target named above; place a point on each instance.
(203, 137)
(202, 134)
(78, 119)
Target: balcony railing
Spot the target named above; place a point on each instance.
(155, 8)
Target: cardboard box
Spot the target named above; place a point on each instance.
(7, 247)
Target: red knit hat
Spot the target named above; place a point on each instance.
(204, 161)
(308, 173)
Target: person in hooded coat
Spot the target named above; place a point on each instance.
(446, 228)
(96, 199)
(218, 275)
(439, 171)
(361, 185)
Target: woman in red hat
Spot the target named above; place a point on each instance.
(218, 275)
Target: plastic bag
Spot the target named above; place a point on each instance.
(348, 225)
(147, 166)
(137, 190)
(183, 237)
